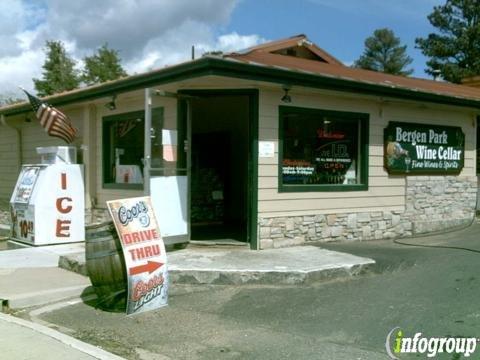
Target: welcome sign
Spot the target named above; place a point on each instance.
(423, 149)
(144, 253)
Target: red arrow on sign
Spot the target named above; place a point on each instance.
(150, 266)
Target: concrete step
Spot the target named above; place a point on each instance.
(224, 265)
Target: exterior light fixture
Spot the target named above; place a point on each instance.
(286, 98)
(111, 105)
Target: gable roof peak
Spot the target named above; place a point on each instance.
(298, 46)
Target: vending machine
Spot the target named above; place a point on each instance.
(48, 203)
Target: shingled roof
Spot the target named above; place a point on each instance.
(285, 54)
(292, 47)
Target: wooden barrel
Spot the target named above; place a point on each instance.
(106, 266)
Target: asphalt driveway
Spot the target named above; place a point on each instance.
(429, 289)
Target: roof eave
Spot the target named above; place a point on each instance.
(308, 79)
(236, 69)
(179, 72)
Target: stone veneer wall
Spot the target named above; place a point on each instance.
(432, 204)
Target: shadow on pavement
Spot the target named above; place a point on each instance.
(116, 303)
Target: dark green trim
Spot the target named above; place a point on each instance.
(253, 171)
(478, 145)
(252, 202)
(179, 72)
(234, 69)
(297, 77)
(364, 146)
(106, 121)
(124, 116)
(122, 186)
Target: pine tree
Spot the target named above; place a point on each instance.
(104, 65)
(384, 53)
(59, 71)
(9, 99)
(454, 50)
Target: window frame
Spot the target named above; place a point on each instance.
(478, 146)
(363, 118)
(106, 122)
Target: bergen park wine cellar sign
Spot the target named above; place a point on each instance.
(423, 149)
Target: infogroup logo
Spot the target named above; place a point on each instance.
(397, 343)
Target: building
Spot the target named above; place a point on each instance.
(277, 145)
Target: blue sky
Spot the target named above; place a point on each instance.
(338, 26)
(154, 33)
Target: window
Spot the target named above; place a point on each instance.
(123, 150)
(322, 150)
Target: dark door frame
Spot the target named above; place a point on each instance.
(252, 172)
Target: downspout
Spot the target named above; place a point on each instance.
(18, 133)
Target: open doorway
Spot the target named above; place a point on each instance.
(219, 167)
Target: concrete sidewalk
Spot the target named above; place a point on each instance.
(24, 340)
(30, 276)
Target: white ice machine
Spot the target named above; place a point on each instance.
(48, 204)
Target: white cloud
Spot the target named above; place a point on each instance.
(18, 70)
(128, 25)
(175, 48)
(234, 41)
(10, 26)
(147, 33)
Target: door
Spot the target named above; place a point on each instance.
(188, 104)
(166, 177)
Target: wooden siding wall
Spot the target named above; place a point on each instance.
(32, 135)
(9, 161)
(385, 192)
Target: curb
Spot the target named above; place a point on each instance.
(64, 339)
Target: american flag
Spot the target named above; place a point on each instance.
(53, 121)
